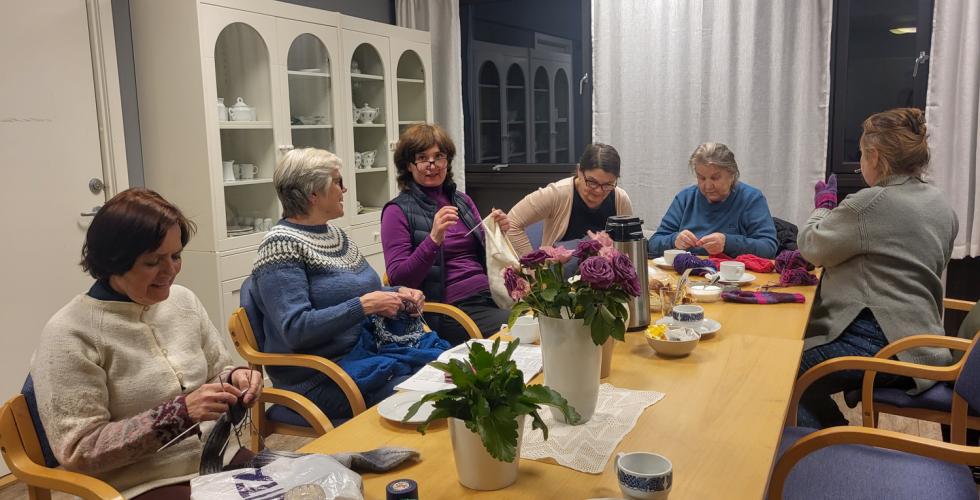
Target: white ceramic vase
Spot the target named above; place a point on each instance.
(571, 364)
(475, 467)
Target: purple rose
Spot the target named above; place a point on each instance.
(597, 272)
(558, 254)
(534, 258)
(586, 249)
(632, 287)
(626, 274)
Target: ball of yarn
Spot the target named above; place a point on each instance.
(687, 261)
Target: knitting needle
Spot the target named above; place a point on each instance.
(182, 434)
(483, 222)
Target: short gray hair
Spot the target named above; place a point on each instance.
(299, 174)
(717, 154)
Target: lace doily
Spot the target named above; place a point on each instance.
(587, 447)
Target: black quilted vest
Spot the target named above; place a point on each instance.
(419, 210)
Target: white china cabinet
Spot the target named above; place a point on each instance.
(304, 74)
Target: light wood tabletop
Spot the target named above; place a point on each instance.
(719, 423)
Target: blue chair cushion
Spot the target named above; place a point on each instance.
(939, 397)
(859, 472)
(30, 396)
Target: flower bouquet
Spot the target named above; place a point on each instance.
(598, 294)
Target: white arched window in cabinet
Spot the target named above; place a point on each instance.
(542, 116)
(488, 116)
(516, 116)
(563, 119)
(373, 172)
(410, 90)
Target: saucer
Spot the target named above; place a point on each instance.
(396, 407)
(707, 328)
(744, 280)
(661, 263)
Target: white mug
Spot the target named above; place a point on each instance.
(732, 270)
(247, 170)
(526, 330)
(669, 255)
(229, 170)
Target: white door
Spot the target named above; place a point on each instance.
(49, 142)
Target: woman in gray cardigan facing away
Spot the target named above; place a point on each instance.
(884, 250)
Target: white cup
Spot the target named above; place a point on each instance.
(247, 170)
(644, 475)
(669, 255)
(732, 270)
(229, 170)
(267, 223)
(526, 330)
(248, 221)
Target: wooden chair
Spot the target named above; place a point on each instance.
(932, 405)
(247, 346)
(22, 453)
(865, 462)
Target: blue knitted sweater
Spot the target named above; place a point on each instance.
(743, 218)
(305, 295)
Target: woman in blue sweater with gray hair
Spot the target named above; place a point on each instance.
(719, 214)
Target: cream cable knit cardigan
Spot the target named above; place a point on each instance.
(553, 205)
(108, 376)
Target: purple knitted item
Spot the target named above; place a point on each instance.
(825, 193)
(791, 259)
(797, 276)
(687, 261)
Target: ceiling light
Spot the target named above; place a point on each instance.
(904, 30)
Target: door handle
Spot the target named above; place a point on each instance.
(923, 57)
(94, 211)
(582, 83)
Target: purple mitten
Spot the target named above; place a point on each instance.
(825, 193)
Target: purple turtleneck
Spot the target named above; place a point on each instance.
(407, 266)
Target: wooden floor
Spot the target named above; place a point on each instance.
(900, 424)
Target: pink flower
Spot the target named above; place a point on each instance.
(517, 286)
(601, 237)
(557, 254)
(597, 272)
(609, 253)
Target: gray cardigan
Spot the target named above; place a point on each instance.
(885, 249)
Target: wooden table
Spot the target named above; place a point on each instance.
(719, 423)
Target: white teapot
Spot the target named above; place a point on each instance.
(368, 114)
(241, 112)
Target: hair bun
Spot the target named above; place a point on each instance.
(916, 120)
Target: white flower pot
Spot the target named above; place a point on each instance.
(475, 467)
(571, 364)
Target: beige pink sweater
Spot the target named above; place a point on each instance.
(110, 378)
(553, 205)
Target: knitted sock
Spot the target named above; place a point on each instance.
(687, 261)
(797, 276)
(762, 297)
(756, 263)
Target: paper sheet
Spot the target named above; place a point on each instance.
(429, 379)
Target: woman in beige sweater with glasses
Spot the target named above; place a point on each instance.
(575, 205)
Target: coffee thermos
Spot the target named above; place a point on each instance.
(627, 235)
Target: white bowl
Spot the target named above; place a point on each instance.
(706, 293)
(674, 348)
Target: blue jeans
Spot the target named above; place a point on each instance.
(863, 337)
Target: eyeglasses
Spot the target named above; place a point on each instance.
(594, 184)
(440, 161)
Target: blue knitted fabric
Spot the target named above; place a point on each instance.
(305, 295)
(743, 218)
(378, 358)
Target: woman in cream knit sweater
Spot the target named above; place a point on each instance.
(135, 362)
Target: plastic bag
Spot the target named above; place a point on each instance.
(274, 480)
(500, 255)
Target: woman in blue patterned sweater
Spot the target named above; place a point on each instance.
(311, 289)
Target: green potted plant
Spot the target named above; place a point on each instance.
(486, 413)
(576, 316)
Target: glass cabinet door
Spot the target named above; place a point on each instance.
(246, 109)
(563, 129)
(516, 116)
(310, 94)
(488, 116)
(542, 116)
(372, 163)
(410, 89)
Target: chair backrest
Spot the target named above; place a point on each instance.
(30, 399)
(239, 325)
(254, 314)
(17, 436)
(968, 382)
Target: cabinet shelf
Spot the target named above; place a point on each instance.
(244, 125)
(541, 122)
(489, 121)
(515, 87)
(411, 80)
(561, 120)
(490, 158)
(315, 74)
(410, 122)
(365, 76)
(369, 125)
(246, 182)
(489, 86)
(371, 170)
(516, 122)
(542, 91)
(307, 127)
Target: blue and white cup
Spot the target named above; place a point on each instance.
(687, 315)
(644, 475)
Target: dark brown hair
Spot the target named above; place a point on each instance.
(132, 223)
(417, 139)
(899, 136)
(602, 156)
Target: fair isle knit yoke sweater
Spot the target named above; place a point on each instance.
(110, 378)
(307, 284)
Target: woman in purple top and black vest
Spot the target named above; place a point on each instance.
(425, 233)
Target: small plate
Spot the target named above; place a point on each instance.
(661, 263)
(708, 326)
(396, 407)
(745, 279)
